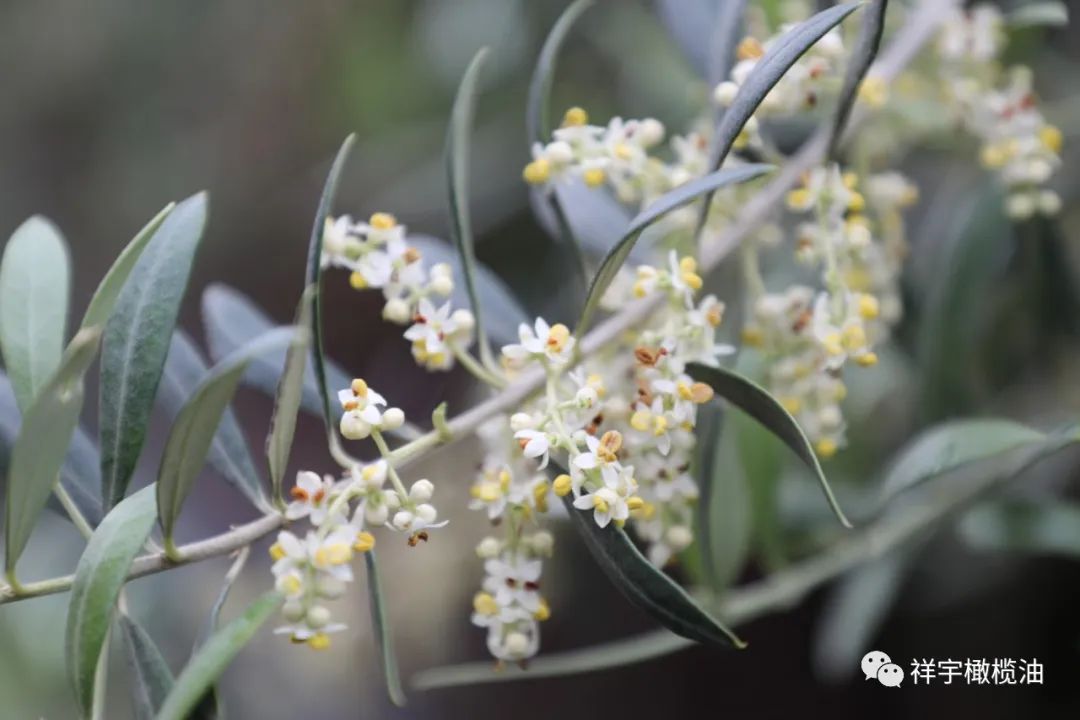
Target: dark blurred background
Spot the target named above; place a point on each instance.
(110, 109)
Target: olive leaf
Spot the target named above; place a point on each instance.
(151, 677)
(381, 622)
(1051, 13)
(724, 517)
(101, 572)
(457, 175)
(44, 437)
(214, 656)
(862, 57)
(672, 200)
(136, 341)
(755, 401)
(35, 280)
(287, 400)
(1014, 526)
(196, 424)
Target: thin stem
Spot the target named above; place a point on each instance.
(395, 479)
(473, 366)
(73, 512)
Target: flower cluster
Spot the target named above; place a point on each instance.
(1000, 108)
(314, 568)
(378, 256)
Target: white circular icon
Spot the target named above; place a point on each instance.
(872, 662)
(890, 675)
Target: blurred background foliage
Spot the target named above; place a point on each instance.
(110, 109)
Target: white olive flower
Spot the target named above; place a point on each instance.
(535, 444)
(606, 504)
(311, 497)
(551, 342)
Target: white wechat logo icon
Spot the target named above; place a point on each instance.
(876, 664)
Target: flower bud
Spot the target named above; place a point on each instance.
(586, 397)
(392, 500)
(517, 644)
(393, 418)
(441, 270)
(488, 548)
(376, 515)
(330, 588)
(542, 543)
(403, 520)
(464, 319)
(559, 152)
(678, 537)
(725, 92)
(293, 611)
(396, 310)
(426, 513)
(421, 491)
(318, 617)
(1049, 202)
(442, 285)
(650, 132)
(353, 428)
(521, 421)
(1020, 206)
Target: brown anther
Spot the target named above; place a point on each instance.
(511, 583)
(610, 444)
(319, 495)
(411, 255)
(419, 319)
(299, 493)
(532, 586)
(522, 442)
(647, 356)
(802, 321)
(416, 537)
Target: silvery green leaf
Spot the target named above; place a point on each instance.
(151, 677)
(1049, 528)
(380, 621)
(314, 279)
(457, 176)
(646, 586)
(755, 401)
(605, 656)
(44, 437)
(596, 219)
(287, 400)
(949, 445)
(233, 320)
(194, 429)
(502, 310)
(866, 49)
(101, 572)
(229, 453)
(1052, 13)
(104, 299)
(672, 200)
(35, 280)
(214, 656)
(80, 475)
(136, 341)
(724, 527)
(706, 31)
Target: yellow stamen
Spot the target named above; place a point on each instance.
(600, 504)
(869, 307)
(276, 552)
(543, 612)
(798, 199)
(365, 541)
(504, 480)
(856, 203)
(868, 359)
(485, 604)
(854, 337)
(640, 420)
(319, 641)
(693, 280)
(575, 117)
(610, 444)
(749, 48)
(540, 495)
(826, 447)
(752, 336)
(562, 485)
(635, 503)
(557, 337)
(701, 393)
(660, 425)
(359, 387)
(1051, 138)
(792, 404)
(833, 344)
(537, 172)
(594, 177)
(382, 221)
(357, 281)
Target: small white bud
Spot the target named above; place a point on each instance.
(859, 236)
(353, 428)
(579, 437)
(751, 125)
(330, 588)
(392, 500)
(318, 617)
(396, 310)
(1020, 206)
(421, 491)
(292, 611)
(427, 513)
(521, 421)
(517, 644)
(559, 153)
(1049, 202)
(650, 132)
(376, 515)
(725, 93)
(586, 397)
(464, 319)
(1039, 171)
(403, 520)
(441, 270)
(678, 537)
(393, 418)
(442, 284)
(542, 543)
(488, 548)
(830, 417)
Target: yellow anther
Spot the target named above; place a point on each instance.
(833, 344)
(594, 177)
(660, 425)
(365, 541)
(867, 359)
(291, 585)
(382, 221)
(543, 612)
(639, 289)
(370, 472)
(749, 48)
(436, 359)
(319, 641)
(485, 604)
(854, 337)
(683, 390)
(856, 203)
(635, 503)
(562, 485)
(869, 307)
(715, 315)
(504, 480)
(692, 280)
(874, 91)
(610, 444)
(276, 552)
(792, 404)
(599, 503)
(537, 172)
(640, 420)
(357, 281)
(620, 523)
(688, 264)
(799, 199)
(487, 491)
(701, 393)
(557, 336)
(358, 387)
(802, 370)
(623, 151)
(752, 336)
(850, 180)
(596, 382)
(841, 392)
(333, 554)
(575, 117)
(1051, 138)
(540, 495)
(645, 512)
(826, 447)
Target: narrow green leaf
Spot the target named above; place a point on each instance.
(287, 401)
(862, 57)
(724, 39)
(232, 320)
(1052, 13)
(755, 401)
(44, 437)
(100, 574)
(949, 445)
(1043, 529)
(646, 586)
(761, 454)
(101, 304)
(195, 426)
(185, 368)
(151, 677)
(213, 657)
(314, 278)
(383, 631)
(678, 197)
(724, 534)
(768, 71)
(35, 279)
(136, 341)
(605, 656)
(538, 114)
(457, 176)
